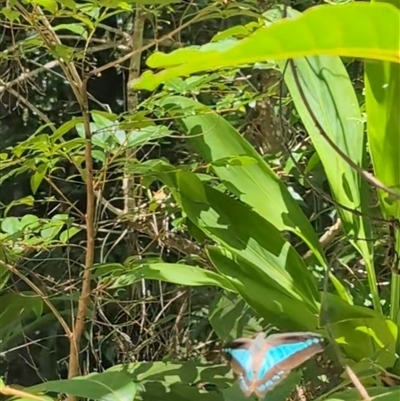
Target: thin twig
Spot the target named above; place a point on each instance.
(42, 296)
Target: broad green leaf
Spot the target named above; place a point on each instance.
(30, 222)
(270, 260)
(176, 273)
(276, 306)
(66, 127)
(375, 36)
(361, 332)
(186, 381)
(179, 392)
(74, 28)
(170, 373)
(104, 119)
(11, 225)
(63, 52)
(243, 171)
(373, 338)
(245, 233)
(147, 134)
(68, 3)
(191, 381)
(322, 91)
(106, 386)
(34, 397)
(11, 14)
(382, 97)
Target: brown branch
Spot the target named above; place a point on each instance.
(42, 25)
(357, 384)
(90, 242)
(329, 235)
(79, 87)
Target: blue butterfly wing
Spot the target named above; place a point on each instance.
(284, 352)
(242, 353)
(260, 364)
(243, 368)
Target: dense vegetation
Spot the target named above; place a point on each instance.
(178, 174)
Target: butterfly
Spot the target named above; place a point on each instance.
(260, 363)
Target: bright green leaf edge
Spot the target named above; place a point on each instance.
(361, 30)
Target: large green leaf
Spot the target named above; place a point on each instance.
(269, 260)
(355, 30)
(177, 273)
(382, 97)
(169, 372)
(242, 231)
(186, 381)
(278, 308)
(363, 333)
(191, 381)
(243, 171)
(106, 386)
(259, 252)
(322, 92)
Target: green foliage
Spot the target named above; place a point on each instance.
(252, 234)
(24, 306)
(382, 97)
(107, 386)
(374, 37)
(323, 94)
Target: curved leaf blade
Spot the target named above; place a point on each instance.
(255, 183)
(106, 386)
(176, 273)
(360, 30)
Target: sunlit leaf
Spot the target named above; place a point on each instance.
(375, 36)
(107, 386)
(177, 273)
(38, 176)
(66, 235)
(10, 225)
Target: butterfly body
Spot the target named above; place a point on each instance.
(261, 363)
